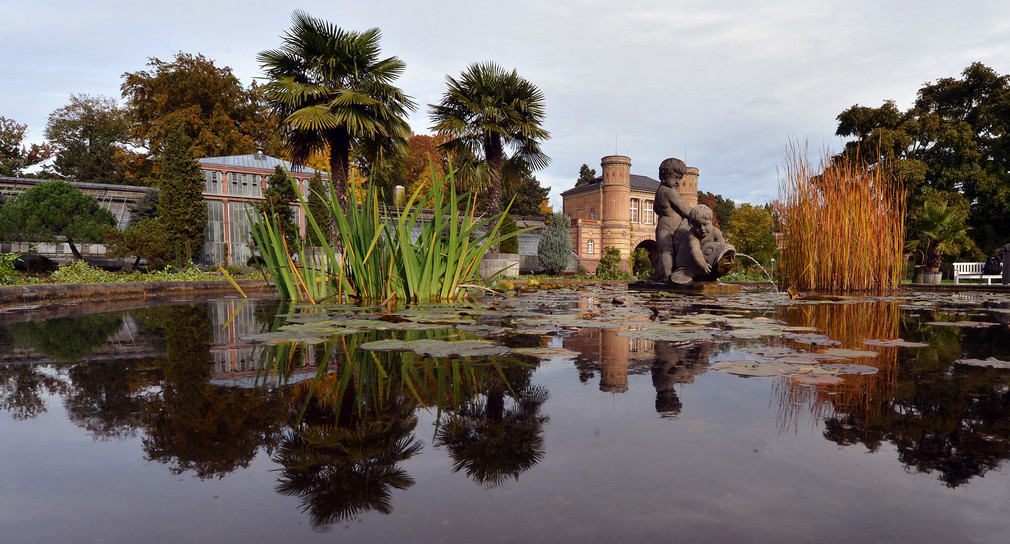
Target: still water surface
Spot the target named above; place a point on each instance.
(612, 417)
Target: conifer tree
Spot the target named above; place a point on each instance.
(278, 195)
(181, 208)
(317, 207)
(555, 245)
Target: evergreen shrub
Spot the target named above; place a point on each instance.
(609, 267)
(555, 245)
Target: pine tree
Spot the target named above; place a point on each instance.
(181, 208)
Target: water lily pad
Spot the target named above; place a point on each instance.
(813, 339)
(852, 369)
(965, 324)
(895, 343)
(754, 368)
(807, 357)
(466, 348)
(670, 334)
(850, 353)
(439, 348)
(393, 344)
(991, 362)
(546, 352)
(768, 351)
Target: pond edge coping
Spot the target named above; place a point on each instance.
(17, 295)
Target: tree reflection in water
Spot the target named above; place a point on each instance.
(341, 458)
(942, 417)
(497, 432)
(66, 339)
(194, 425)
(22, 388)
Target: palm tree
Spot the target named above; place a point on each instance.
(487, 111)
(334, 92)
(938, 230)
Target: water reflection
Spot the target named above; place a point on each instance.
(203, 401)
(615, 357)
(68, 339)
(945, 418)
(497, 432)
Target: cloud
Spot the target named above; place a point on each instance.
(729, 83)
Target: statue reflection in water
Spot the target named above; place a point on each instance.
(615, 357)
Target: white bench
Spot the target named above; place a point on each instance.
(973, 271)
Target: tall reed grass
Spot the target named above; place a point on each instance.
(842, 225)
(375, 256)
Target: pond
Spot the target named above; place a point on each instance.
(568, 415)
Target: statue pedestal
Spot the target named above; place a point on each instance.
(694, 288)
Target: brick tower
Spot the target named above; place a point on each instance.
(616, 216)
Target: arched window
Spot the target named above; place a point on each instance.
(589, 246)
(592, 213)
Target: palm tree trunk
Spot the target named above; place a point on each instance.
(340, 165)
(496, 164)
(340, 151)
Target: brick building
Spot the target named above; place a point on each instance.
(616, 209)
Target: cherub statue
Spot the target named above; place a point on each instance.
(702, 253)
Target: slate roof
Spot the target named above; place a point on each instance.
(637, 183)
(259, 162)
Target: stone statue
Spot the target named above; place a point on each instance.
(690, 247)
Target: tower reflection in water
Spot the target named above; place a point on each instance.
(614, 357)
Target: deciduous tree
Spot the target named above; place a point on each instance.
(88, 134)
(955, 139)
(752, 232)
(14, 156)
(218, 114)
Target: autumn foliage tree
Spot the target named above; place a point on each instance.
(752, 232)
(216, 112)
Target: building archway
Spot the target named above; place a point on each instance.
(653, 248)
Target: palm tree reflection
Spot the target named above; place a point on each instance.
(498, 432)
(340, 472)
(341, 458)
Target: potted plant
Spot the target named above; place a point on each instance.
(937, 230)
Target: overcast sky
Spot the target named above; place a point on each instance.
(726, 85)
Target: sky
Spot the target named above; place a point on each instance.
(728, 86)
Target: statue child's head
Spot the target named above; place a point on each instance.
(672, 168)
(700, 218)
